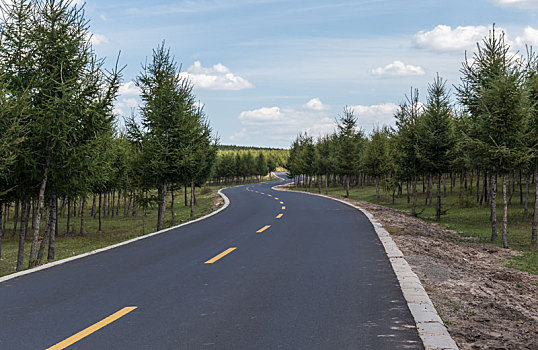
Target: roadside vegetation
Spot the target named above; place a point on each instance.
(70, 167)
(463, 164)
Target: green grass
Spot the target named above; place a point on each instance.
(466, 217)
(115, 230)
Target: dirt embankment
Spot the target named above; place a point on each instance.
(484, 304)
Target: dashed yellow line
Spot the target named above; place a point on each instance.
(281, 202)
(279, 216)
(263, 229)
(262, 193)
(270, 195)
(221, 255)
(276, 198)
(283, 208)
(91, 329)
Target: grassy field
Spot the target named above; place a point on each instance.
(115, 229)
(466, 217)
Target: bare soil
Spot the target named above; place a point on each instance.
(484, 304)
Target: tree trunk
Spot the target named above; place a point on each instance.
(124, 202)
(93, 206)
(118, 204)
(54, 229)
(477, 186)
(520, 186)
(192, 191)
(505, 214)
(172, 210)
(438, 207)
(37, 217)
(186, 202)
(319, 183)
(526, 210)
(82, 205)
(493, 183)
(25, 213)
(15, 217)
(347, 186)
(113, 209)
(535, 216)
(100, 211)
(407, 192)
(377, 188)
(144, 213)
(48, 228)
(68, 215)
(162, 207)
(414, 208)
(194, 196)
(327, 184)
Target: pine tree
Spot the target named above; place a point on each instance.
(436, 135)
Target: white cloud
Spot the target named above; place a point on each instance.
(282, 125)
(123, 106)
(398, 69)
(444, 38)
(98, 39)
(315, 104)
(129, 88)
(530, 37)
(217, 77)
(375, 115)
(524, 4)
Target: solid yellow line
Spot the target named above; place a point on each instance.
(221, 255)
(263, 229)
(91, 329)
(279, 216)
(281, 202)
(283, 208)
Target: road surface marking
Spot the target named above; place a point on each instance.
(281, 202)
(279, 216)
(276, 198)
(283, 208)
(221, 255)
(91, 329)
(262, 193)
(263, 229)
(270, 195)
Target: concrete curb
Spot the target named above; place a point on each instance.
(431, 328)
(83, 255)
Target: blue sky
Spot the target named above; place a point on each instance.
(267, 70)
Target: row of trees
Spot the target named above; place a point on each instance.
(242, 166)
(492, 133)
(59, 144)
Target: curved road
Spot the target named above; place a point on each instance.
(317, 278)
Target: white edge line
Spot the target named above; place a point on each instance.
(83, 255)
(430, 327)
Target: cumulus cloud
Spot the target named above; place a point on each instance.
(217, 77)
(371, 116)
(98, 39)
(398, 69)
(524, 4)
(444, 38)
(530, 37)
(315, 104)
(129, 88)
(282, 124)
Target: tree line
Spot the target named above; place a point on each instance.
(60, 146)
(490, 134)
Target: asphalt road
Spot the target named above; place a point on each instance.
(317, 278)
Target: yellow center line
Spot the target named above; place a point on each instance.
(263, 229)
(279, 216)
(281, 202)
(276, 198)
(221, 255)
(283, 208)
(262, 193)
(91, 329)
(270, 195)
